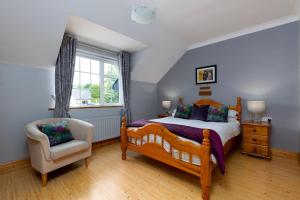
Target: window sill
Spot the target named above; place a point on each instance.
(90, 107)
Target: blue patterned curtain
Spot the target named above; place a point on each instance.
(64, 72)
(124, 59)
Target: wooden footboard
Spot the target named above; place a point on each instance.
(151, 140)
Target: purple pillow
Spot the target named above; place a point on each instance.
(199, 112)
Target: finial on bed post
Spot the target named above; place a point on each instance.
(206, 141)
(124, 119)
(123, 137)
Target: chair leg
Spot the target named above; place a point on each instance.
(44, 179)
(86, 161)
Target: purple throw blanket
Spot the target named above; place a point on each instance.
(195, 134)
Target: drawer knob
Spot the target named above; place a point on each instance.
(254, 130)
(254, 139)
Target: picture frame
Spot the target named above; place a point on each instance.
(206, 75)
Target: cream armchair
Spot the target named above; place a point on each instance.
(46, 159)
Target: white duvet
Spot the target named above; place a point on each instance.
(226, 131)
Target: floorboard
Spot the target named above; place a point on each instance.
(141, 178)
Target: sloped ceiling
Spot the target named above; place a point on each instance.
(199, 20)
(96, 35)
(32, 30)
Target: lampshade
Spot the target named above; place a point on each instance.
(256, 106)
(166, 104)
(142, 14)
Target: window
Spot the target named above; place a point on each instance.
(96, 81)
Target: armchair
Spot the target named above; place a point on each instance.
(45, 159)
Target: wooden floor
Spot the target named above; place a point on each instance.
(108, 177)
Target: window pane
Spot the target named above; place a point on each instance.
(95, 89)
(84, 80)
(85, 65)
(76, 80)
(95, 66)
(95, 93)
(95, 79)
(107, 69)
(77, 64)
(111, 71)
(111, 90)
(114, 71)
(75, 98)
(85, 95)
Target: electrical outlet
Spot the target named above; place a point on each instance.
(266, 119)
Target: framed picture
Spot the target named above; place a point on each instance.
(205, 75)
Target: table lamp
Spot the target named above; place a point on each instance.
(256, 109)
(166, 105)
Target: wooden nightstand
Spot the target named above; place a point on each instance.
(162, 115)
(256, 139)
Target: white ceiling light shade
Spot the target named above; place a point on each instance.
(142, 14)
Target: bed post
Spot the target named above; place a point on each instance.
(123, 137)
(206, 171)
(239, 107)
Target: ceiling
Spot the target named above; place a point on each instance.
(200, 20)
(32, 31)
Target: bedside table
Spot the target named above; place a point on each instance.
(163, 115)
(256, 139)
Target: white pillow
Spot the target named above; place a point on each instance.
(232, 114)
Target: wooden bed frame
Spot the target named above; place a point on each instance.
(157, 151)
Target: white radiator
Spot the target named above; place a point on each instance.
(105, 127)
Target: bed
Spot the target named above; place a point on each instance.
(155, 140)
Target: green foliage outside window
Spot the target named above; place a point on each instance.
(110, 95)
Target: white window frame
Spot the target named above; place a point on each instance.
(102, 59)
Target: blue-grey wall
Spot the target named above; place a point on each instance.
(25, 97)
(299, 94)
(263, 65)
(25, 94)
(143, 100)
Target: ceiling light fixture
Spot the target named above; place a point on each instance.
(142, 14)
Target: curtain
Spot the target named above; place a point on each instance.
(124, 59)
(64, 72)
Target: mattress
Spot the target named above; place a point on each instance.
(226, 131)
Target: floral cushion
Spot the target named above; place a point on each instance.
(219, 114)
(183, 111)
(57, 133)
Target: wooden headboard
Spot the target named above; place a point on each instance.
(237, 107)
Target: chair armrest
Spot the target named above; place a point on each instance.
(81, 130)
(34, 133)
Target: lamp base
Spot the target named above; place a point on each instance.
(256, 121)
(256, 118)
